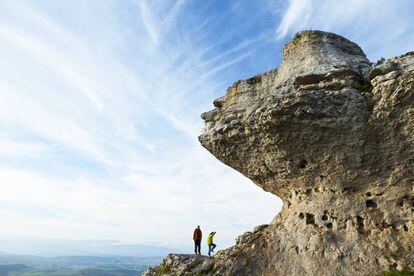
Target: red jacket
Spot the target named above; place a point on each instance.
(197, 235)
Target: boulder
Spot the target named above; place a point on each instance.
(333, 137)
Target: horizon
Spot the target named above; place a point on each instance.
(51, 248)
(101, 104)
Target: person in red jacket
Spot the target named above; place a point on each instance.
(197, 240)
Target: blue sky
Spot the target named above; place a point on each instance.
(100, 105)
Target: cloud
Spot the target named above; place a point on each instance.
(9, 147)
(381, 28)
(296, 17)
(100, 104)
(99, 117)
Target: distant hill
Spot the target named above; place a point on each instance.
(12, 268)
(74, 265)
(22, 245)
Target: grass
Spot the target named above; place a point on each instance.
(394, 272)
(164, 269)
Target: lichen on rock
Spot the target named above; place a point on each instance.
(333, 137)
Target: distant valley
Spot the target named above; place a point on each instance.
(30, 256)
(17, 265)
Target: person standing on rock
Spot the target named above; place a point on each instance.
(210, 243)
(197, 240)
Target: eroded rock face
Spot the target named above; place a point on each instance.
(333, 137)
(295, 126)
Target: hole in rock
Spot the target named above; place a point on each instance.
(218, 103)
(329, 225)
(302, 164)
(301, 216)
(401, 203)
(368, 194)
(360, 223)
(310, 219)
(371, 204)
(308, 192)
(384, 224)
(392, 266)
(349, 189)
(405, 228)
(324, 217)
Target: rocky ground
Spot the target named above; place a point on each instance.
(333, 137)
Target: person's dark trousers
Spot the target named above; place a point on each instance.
(211, 248)
(197, 246)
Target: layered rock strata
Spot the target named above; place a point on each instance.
(333, 137)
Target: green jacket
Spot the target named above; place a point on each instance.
(210, 237)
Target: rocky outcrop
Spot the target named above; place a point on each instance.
(333, 137)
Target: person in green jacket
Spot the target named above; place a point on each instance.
(210, 243)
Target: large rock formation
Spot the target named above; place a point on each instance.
(333, 137)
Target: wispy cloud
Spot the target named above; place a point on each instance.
(99, 115)
(296, 17)
(381, 27)
(10, 147)
(100, 104)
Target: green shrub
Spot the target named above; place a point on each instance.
(296, 36)
(394, 255)
(380, 61)
(338, 86)
(367, 87)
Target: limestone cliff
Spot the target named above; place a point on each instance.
(334, 138)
